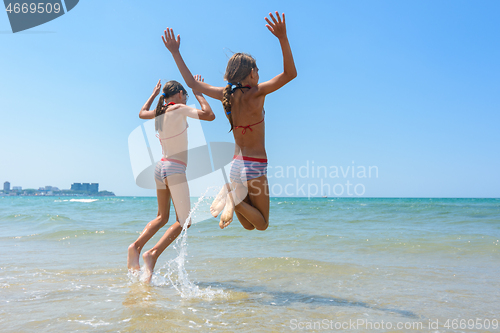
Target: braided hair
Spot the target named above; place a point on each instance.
(238, 68)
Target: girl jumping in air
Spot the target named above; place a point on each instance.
(170, 174)
(243, 101)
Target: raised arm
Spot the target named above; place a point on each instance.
(206, 112)
(145, 112)
(278, 28)
(173, 45)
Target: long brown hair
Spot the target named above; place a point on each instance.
(238, 68)
(169, 89)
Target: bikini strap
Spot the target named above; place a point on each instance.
(158, 135)
(248, 127)
(240, 87)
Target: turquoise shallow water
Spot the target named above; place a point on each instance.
(335, 261)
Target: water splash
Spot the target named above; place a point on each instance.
(176, 274)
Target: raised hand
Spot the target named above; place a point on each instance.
(277, 26)
(198, 78)
(157, 89)
(170, 42)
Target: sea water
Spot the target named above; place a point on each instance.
(341, 264)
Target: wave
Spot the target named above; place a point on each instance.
(77, 200)
(453, 244)
(35, 222)
(17, 217)
(83, 200)
(60, 235)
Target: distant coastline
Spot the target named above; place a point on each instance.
(62, 193)
(77, 190)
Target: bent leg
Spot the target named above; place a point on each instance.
(257, 212)
(150, 230)
(243, 220)
(182, 204)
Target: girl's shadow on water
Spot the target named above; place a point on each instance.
(285, 298)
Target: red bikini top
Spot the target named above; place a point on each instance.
(247, 126)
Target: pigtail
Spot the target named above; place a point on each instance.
(226, 102)
(159, 111)
(238, 68)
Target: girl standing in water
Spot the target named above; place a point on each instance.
(170, 174)
(244, 107)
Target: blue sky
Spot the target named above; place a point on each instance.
(411, 87)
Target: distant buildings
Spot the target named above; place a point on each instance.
(85, 187)
(94, 187)
(77, 189)
(49, 188)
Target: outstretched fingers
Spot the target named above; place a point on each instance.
(164, 37)
(272, 17)
(170, 41)
(278, 17)
(167, 36)
(269, 25)
(172, 36)
(276, 24)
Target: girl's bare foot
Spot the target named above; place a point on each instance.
(219, 202)
(149, 264)
(227, 215)
(133, 258)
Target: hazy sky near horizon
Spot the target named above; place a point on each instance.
(411, 88)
